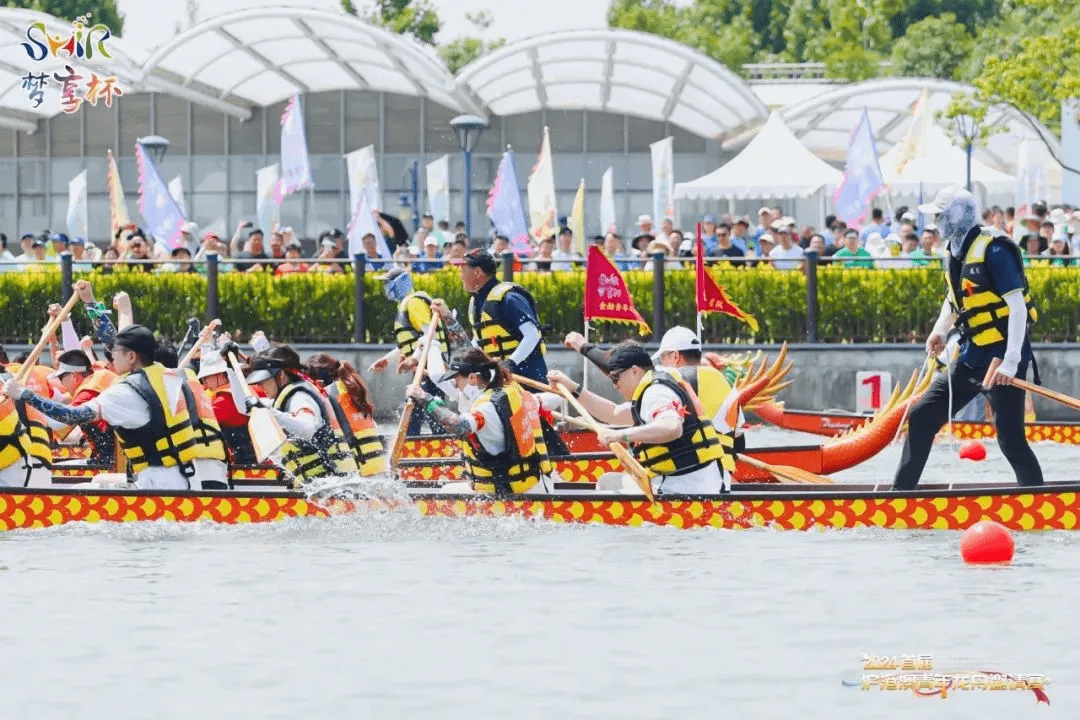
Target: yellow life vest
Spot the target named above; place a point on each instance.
(699, 443)
(168, 440)
(495, 339)
(982, 314)
(327, 453)
(712, 389)
(524, 457)
(209, 441)
(15, 443)
(406, 332)
(36, 425)
(360, 429)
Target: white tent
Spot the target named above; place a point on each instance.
(773, 165)
(940, 163)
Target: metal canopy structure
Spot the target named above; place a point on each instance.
(261, 56)
(615, 71)
(824, 123)
(17, 109)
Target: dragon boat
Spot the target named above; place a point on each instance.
(1055, 506)
(433, 459)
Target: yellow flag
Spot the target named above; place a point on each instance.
(117, 205)
(577, 219)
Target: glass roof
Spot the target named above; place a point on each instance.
(617, 71)
(825, 122)
(258, 57)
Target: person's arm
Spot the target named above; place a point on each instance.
(455, 424)
(456, 335)
(664, 428)
(530, 338)
(124, 314)
(599, 407)
(303, 423)
(1014, 344)
(59, 412)
(103, 325)
(234, 243)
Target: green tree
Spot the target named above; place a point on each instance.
(405, 17)
(932, 47)
(101, 11)
(463, 50)
(857, 32)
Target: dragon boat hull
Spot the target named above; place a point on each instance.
(1055, 506)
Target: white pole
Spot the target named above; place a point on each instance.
(584, 363)
(699, 329)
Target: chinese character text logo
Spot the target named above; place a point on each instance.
(75, 86)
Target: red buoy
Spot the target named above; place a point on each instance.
(987, 542)
(973, 450)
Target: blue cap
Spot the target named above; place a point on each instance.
(709, 218)
(78, 241)
(60, 237)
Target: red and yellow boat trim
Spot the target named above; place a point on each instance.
(1057, 507)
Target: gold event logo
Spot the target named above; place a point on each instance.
(82, 43)
(917, 674)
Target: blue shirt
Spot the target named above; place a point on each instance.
(1005, 276)
(513, 312)
(865, 232)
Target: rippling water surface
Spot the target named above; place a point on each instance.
(400, 616)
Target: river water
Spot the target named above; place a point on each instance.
(398, 616)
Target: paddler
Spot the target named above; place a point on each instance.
(146, 409)
(410, 321)
(499, 431)
(316, 446)
(215, 375)
(671, 435)
(348, 396)
(83, 382)
(25, 452)
(987, 299)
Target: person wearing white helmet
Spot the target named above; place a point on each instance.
(987, 300)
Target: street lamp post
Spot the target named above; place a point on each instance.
(155, 145)
(468, 129)
(968, 129)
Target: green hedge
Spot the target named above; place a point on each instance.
(854, 305)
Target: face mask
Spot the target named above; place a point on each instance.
(470, 392)
(399, 288)
(956, 220)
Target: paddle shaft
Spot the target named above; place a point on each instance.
(641, 475)
(190, 355)
(787, 472)
(1072, 402)
(259, 419)
(410, 404)
(47, 333)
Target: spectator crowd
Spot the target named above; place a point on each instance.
(1046, 237)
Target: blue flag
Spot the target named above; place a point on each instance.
(163, 216)
(504, 207)
(862, 176)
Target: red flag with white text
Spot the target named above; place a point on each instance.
(606, 294)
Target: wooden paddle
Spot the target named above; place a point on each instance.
(410, 405)
(1046, 393)
(787, 472)
(267, 437)
(640, 474)
(47, 333)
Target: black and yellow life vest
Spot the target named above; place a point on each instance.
(168, 440)
(360, 430)
(495, 339)
(327, 453)
(209, 440)
(99, 434)
(524, 458)
(15, 443)
(982, 314)
(699, 443)
(36, 424)
(407, 335)
(713, 389)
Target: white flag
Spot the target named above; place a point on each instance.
(438, 188)
(77, 214)
(295, 166)
(267, 210)
(607, 203)
(363, 177)
(176, 189)
(362, 223)
(541, 192)
(663, 180)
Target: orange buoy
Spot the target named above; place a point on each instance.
(973, 450)
(987, 542)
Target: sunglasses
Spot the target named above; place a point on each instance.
(615, 377)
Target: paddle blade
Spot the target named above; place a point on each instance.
(267, 437)
(399, 436)
(639, 473)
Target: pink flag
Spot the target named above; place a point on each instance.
(295, 167)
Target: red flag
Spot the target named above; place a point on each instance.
(712, 298)
(606, 296)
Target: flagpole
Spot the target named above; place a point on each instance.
(699, 329)
(585, 362)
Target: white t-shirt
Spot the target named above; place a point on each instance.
(656, 402)
(564, 256)
(484, 421)
(786, 259)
